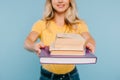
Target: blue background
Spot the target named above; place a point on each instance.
(17, 18)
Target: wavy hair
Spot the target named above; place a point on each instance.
(71, 15)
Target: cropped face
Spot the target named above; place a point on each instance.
(60, 6)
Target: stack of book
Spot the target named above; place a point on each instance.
(67, 49)
(68, 44)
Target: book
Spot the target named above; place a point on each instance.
(65, 50)
(69, 41)
(68, 44)
(46, 58)
(63, 47)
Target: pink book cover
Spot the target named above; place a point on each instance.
(46, 58)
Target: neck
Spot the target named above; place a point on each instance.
(59, 19)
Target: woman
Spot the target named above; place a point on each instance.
(60, 16)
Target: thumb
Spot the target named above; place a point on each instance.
(37, 51)
(42, 45)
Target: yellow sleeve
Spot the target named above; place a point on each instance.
(82, 27)
(38, 26)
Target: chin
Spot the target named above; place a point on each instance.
(61, 11)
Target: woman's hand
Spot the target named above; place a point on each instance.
(30, 44)
(91, 47)
(90, 42)
(37, 47)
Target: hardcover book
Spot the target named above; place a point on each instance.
(67, 41)
(46, 58)
(65, 51)
(68, 44)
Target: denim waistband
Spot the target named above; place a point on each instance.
(50, 74)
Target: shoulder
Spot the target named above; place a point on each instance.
(82, 22)
(40, 22)
(38, 26)
(82, 26)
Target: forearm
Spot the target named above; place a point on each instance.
(90, 42)
(29, 45)
(88, 37)
(30, 41)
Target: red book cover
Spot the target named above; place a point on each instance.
(46, 58)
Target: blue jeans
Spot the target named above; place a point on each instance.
(46, 75)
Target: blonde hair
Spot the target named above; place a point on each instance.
(71, 15)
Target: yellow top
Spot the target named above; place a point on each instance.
(47, 36)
